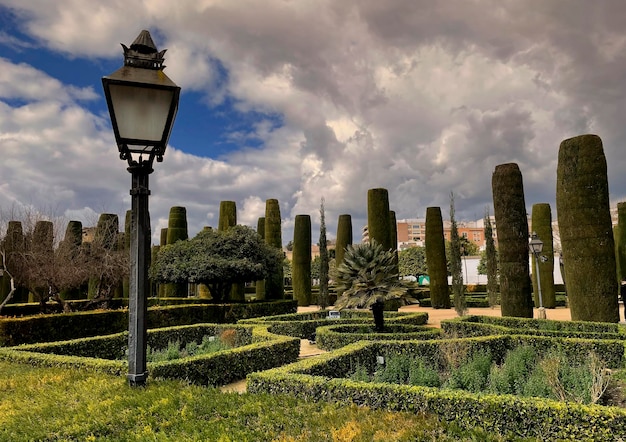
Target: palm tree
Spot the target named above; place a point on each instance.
(368, 276)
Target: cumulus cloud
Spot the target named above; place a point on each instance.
(420, 97)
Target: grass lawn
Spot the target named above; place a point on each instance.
(58, 404)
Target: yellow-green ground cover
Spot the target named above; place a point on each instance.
(42, 403)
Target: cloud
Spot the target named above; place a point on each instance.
(420, 97)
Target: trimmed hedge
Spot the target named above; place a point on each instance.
(258, 350)
(492, 325)
(333, 337)
(58, 327)
(320, 378)
(303, 325)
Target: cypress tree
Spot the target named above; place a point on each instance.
(619, 234)
(162, 242)
(228, 219)
(13, 245)
(228, 215)
(176, 231)
(126, 246)
(458, 289)
(492, 262)
(344, 238)
(436, 259)
(274, 284)
(512, 227)
(301, 262)
(378, 219)
(72, 241)
(42, 245)
(582, 204)
(542, 226)
(260, 285)
(106, 236)
(323, 296)
(393, 225)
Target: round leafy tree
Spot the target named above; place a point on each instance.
(217, 259)
(368, 277)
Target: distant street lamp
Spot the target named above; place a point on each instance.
(536, 246)
(142, 102)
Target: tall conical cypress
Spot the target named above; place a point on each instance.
(436, 259)
(260, 285)
(301, 262)
(71, 244)
(542, 226)
(13, 245)
(492, 262)
(161, 293)
(126, 247)
(393, 233)
(582, 205)
(274, 284)
(344, 237)
(378, 220)
(105, 236)
(42, 246)
(228, 219)
(176, 231)
(228, 215)
(619, 234)
(512, 226)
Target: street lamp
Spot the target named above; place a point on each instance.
(536, 246)
(142, 102)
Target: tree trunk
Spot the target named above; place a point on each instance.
(379, 317)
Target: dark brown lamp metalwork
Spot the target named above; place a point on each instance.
(142, 103)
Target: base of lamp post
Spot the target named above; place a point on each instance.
(542, 313)
(137, 380)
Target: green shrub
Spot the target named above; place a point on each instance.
(512, 375)
(58, 327)
(472, 375)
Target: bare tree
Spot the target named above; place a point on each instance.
(46, 267)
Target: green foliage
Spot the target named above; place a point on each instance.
(472, 375)
(301, 265)
(412, 262)
(367, 276)
(436, 259)
(303, 325)
(176, 231)
(332, 337)
(217, 259)
(174, 350)
(57, 327)
(228, 215)
(378, 220)
(582, 205)
(259, 286)
(512, 227)
(542, 226)
(491, 263)
(322, 298)
(174, 410)
(458, 289)
(322, 378)
(620, 241)
(274, 282)
(344, 237)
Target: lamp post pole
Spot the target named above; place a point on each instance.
(536, 245)
(139, 262)
(142, 102)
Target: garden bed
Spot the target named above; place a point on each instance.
(254, 349)
(331, 337)
(492, 325)
(325, 377)
(303, 325)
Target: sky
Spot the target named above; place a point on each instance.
(298, 100)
